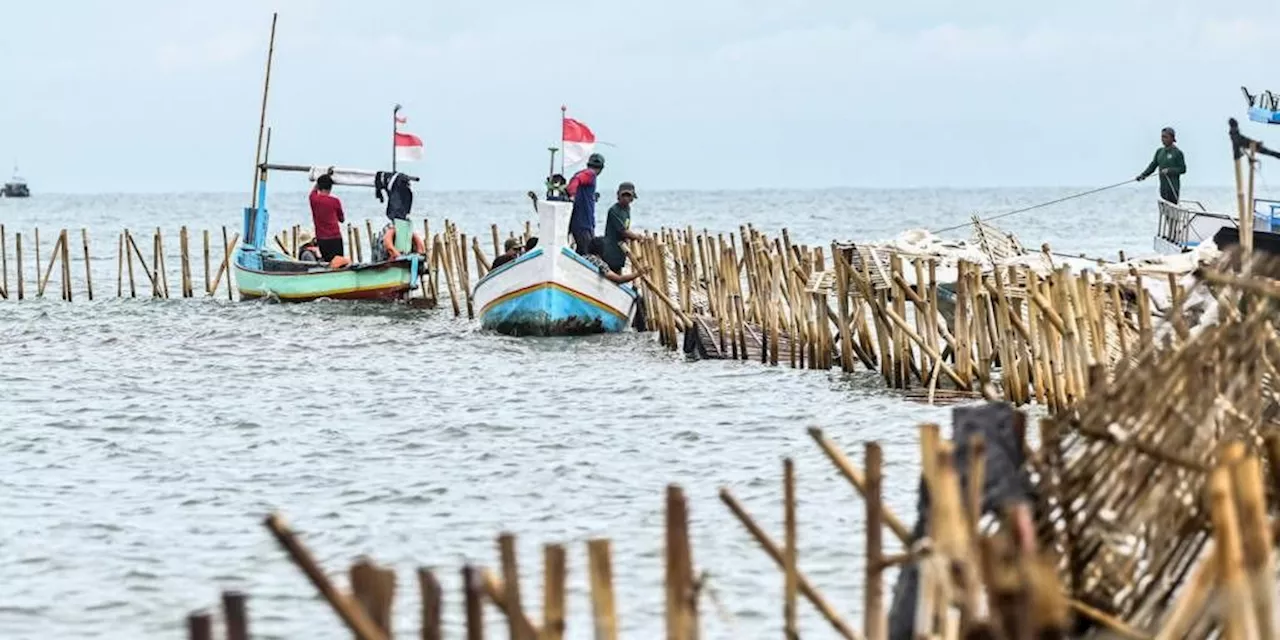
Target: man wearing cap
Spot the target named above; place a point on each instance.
(1171, 165)
(617, 228)
(582, 189)
(512, 251)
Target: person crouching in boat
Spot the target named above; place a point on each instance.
(582, 189)
(309, 251)
(511, 251)
(595, 251)
(327, 214)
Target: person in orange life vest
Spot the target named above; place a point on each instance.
(582, 189)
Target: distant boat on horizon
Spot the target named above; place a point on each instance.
(16, 187)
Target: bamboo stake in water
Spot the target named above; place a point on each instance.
(226, 261)
(18, 259)
(66, 267)
(185, 261)
(682, 609)
(207, 290)
(4, 263)
(516, 621)
(429, 587)
(473, 601)
(874, 622)
(39, 287)
(88, 270)
(53, 257)
(602, 604)
(553, 609)
(789, 554)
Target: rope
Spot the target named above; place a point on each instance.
(1043, 204)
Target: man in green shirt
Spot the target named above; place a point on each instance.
(1169, 161)
(617, 228)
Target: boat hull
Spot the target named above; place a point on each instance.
(553, 292)
(387, 281)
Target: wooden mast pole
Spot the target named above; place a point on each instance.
(262, 114)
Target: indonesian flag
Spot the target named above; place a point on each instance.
(578, 141)
(408, 146)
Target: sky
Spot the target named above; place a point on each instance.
(164, 95)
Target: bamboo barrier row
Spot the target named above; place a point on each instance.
(366, 610)
(952, 330)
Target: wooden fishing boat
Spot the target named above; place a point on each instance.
(263, 272)
(551, 290)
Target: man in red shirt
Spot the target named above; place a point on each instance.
(326, 213)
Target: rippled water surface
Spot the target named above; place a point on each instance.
(142, 441)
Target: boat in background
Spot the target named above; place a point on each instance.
(551, 290)
(1184, 226)
(263, 272)
(1264, 107)
(16, 187)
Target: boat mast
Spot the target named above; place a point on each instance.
(262, 114)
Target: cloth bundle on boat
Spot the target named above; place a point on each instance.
(399, 194)
(344, 177)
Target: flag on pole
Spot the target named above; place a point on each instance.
(408, 146)
(577, 140)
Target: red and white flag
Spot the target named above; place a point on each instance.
(578, 141)
(408, 146)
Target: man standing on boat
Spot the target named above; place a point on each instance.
(617, 227)
(326, 213)
(582, 189)
(1171, 165)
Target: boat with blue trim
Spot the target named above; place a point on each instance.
(550, 290)
(263, 272)
(1263, 107)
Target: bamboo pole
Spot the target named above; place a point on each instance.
(771, 548)
(374, 590)
(200, 626)
(226, 261)
(446, 257)
(432, 595)
(4, 262)
(159, 263)
(355, 617)
(473, 602)
(207, 271)
(66, 267)
(874, 621)
(493, 229)
(859, 482)
(18, 262)
(40, 289)
(553, 606)
(88, 269)
(602, 603)
(680, 604)
(234, 616)
(790, 570)
(185, 261)
(53, 257)
(518, 625)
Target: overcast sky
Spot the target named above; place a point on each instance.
(163, 95)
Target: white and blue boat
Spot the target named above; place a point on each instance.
(1264, 107)
(551, 290)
